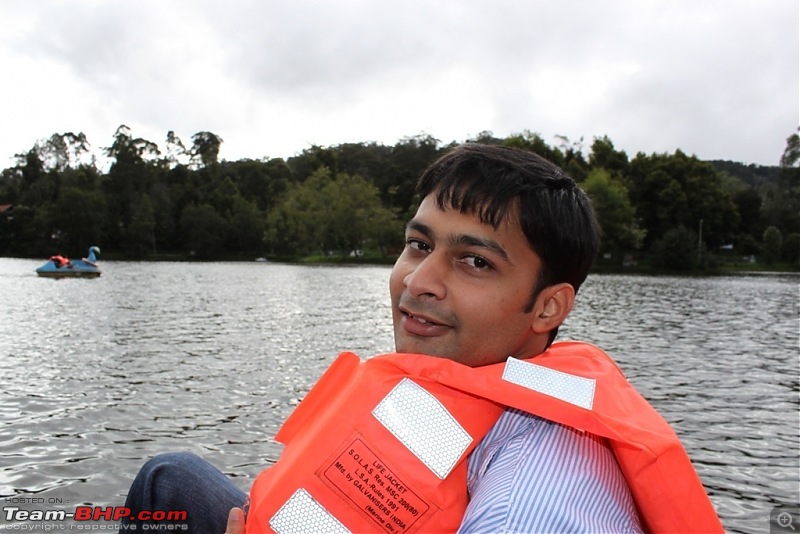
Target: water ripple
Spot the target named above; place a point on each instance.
(100, 375)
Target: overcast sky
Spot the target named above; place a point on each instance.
(714, 78)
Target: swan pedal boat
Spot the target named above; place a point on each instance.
(60, 267)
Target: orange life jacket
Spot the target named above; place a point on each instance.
(381, 445)
(59, 260)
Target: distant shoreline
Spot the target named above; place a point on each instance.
(721, 269)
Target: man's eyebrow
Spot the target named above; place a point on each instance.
(417, 226)
(461, 239)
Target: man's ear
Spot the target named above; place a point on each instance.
(552, 306)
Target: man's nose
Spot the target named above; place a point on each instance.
(428, 277)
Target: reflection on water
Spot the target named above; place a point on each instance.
(99, 375)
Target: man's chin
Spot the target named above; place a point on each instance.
(426, 349)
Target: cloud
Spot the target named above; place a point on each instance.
(715, 78)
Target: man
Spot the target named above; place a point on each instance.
(499, 245)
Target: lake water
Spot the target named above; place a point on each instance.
(99, 375)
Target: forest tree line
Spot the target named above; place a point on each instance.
(668, 211)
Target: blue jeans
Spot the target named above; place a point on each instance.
(179, 481)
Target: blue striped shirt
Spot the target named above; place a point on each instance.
(529, 474)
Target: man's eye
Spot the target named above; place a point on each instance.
(477, 262)
(418, 245)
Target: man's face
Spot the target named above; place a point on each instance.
(460, 288)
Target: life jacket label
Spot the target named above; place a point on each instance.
(302, 513)
(366, 480)
(569, 388)
(421, 422)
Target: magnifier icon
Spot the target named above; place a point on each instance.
(785, 520)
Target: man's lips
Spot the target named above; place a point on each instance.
(420, 324)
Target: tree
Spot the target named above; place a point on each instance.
(791, 248)
(677, 250)
(65, 150)
(617, 216)
(311, 159)
(574, 164)
(205, 148)
(773, 244)
(782, 200)
(203, 231)
(134, 171)
(129, 151)
(22, 183)
(293, 226)
(708, 200)
(486, 137)
(603, 154)
(78, 218)
(673, 190)
(176, 151)
(748, 204)
(165, 222)
(672, 207)
(791, 154)
(246, 228)
(533, 142)
(329, 214)
(407, 160)
(369, 161)
(141, 237)
(353, 211)
(649, 188)
(27, 232)
(222, 192)
(263, 182)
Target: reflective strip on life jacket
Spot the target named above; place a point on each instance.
(424, 426)
(302, 514)
(570, 388)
